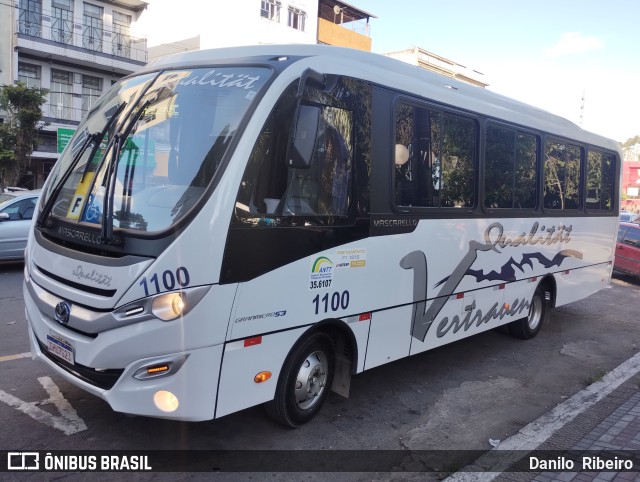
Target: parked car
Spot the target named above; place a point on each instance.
(628, 249)
(15, 189)
(627, 217)
(16, 211)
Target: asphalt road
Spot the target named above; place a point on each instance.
(456, 397)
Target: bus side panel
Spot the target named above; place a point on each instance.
(360, 327)
(476, 312)
(577, 284)
(241, 364)
(337, 283)
(390, 336)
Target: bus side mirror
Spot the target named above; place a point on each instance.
(304, 138)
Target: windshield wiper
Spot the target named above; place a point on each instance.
(95, 139)
(110, 177)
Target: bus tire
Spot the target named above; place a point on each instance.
(305, 382)
(529, 326)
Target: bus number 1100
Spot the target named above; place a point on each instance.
(337, 301)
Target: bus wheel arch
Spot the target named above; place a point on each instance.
(548, 284)
(346, 353)
(305, 380)
(542, 301)
(308, 373)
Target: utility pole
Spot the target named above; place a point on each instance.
(582, 108)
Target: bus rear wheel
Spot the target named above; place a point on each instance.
(305, 381)
(528, 327)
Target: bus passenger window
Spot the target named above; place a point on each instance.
(412, 187)
(440, 169)
(510, 169)
(562, 176)
(600, 180)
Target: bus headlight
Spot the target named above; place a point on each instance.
(169, 306)
(164, 306)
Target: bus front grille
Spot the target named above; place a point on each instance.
(104, 379)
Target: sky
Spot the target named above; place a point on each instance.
(548, 53)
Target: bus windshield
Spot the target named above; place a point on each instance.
(146, 153)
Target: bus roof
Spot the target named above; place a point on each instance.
(406, 77)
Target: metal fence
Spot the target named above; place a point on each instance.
(66, 32)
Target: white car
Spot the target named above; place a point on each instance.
(16, 211)
(14, 189)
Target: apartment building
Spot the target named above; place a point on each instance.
(76, 50)
(439, 64)
(262, 22)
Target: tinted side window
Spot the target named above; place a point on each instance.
(600, 179)
(510, 172)
(632, 237)
(621, 232)
(20, 210)
(324, 188)
(562, 175)
(434, 158)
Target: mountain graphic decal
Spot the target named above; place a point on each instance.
(508, 271)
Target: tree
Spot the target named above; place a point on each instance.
(19, 135)
(630, 142)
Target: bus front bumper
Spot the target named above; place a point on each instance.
(185, 391)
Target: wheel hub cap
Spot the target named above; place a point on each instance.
(311, 380)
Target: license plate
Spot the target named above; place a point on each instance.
(60, 347)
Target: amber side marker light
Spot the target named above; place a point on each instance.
(157, 369)
(262, 377)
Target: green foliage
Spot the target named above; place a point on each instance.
(18, 136)
(630, 142)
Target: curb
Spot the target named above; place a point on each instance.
(488, 466)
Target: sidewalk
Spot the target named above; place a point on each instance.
(603, 417)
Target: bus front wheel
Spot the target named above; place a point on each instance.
(305, 381)
(528, 327)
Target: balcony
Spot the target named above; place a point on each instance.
(335, 34)
(343, 25)
(62, 114)
(61, 39)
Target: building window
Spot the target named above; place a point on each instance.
(30, 18)
(92, 27)
(47, 166)
(270, 9)
(61, 95)
(91, 91)
(121, 22)
(121, 45)
(62, 21)
(296, 18)
(29, 74)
